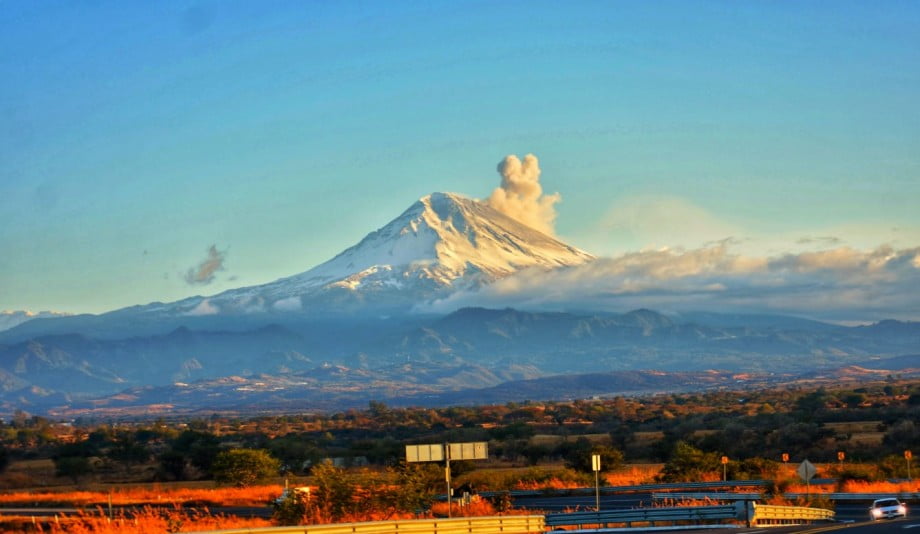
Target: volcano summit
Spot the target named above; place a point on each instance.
(444, 242)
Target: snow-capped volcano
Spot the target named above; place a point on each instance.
(443, 242)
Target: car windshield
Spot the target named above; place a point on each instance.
(886, 502)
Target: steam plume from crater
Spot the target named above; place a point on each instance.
(520, 195)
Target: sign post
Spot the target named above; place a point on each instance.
(724, 468)
(478, 450)
(907, 456)
(447, 478)
(807, 471)
(596, 467)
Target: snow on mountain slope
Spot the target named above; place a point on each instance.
(443, 242)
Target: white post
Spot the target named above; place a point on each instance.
(596, 467)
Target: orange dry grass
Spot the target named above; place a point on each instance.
(676, 503)
(553, 483)
(252, 496)
(856, 486)
(632, 475)
(145, 521)
(477, 508)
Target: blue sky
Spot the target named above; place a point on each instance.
(136, 135)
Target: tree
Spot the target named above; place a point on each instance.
(334, 492)
(74, 467)
(689, 464)
(126, 449)
(579, 459)
(4, 458)
(753, 469)
(853, 400)
(73, 460)
(902, 435)
(244, 467)
(414, 488)
(291, 508)
(892, 466)
(200, 448)
(172, 465)
(296, 451)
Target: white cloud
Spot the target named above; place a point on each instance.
(12, 318)
(834, 284)
(204, 273)
(641, 222)
(288, 304)
(204, 308)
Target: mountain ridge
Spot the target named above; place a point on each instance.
(443, 242)
(355, 319)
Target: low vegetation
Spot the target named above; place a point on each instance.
(148, 520)
(353, 461)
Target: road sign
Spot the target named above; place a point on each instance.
(425, 453)
(596, 467)
(807, 470)
(724, 460)
(477, 450)
(474, 450)
(841, 455)
(785, 457)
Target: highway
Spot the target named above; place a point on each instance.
(851, 517)
(905, 526)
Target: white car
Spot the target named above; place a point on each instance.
(887, 509)
(302, 491)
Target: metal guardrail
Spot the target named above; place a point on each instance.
(856, 496)
(631, 489)
(734, 496)
(648, 515)
(712, 496)
(766, 514)
(506, 524)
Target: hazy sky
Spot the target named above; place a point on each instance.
(142, 140)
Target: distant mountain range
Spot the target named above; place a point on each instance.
(349, 331)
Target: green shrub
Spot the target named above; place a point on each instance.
(244, 467)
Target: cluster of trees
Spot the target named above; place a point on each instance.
(361, 495)
(740, 424)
